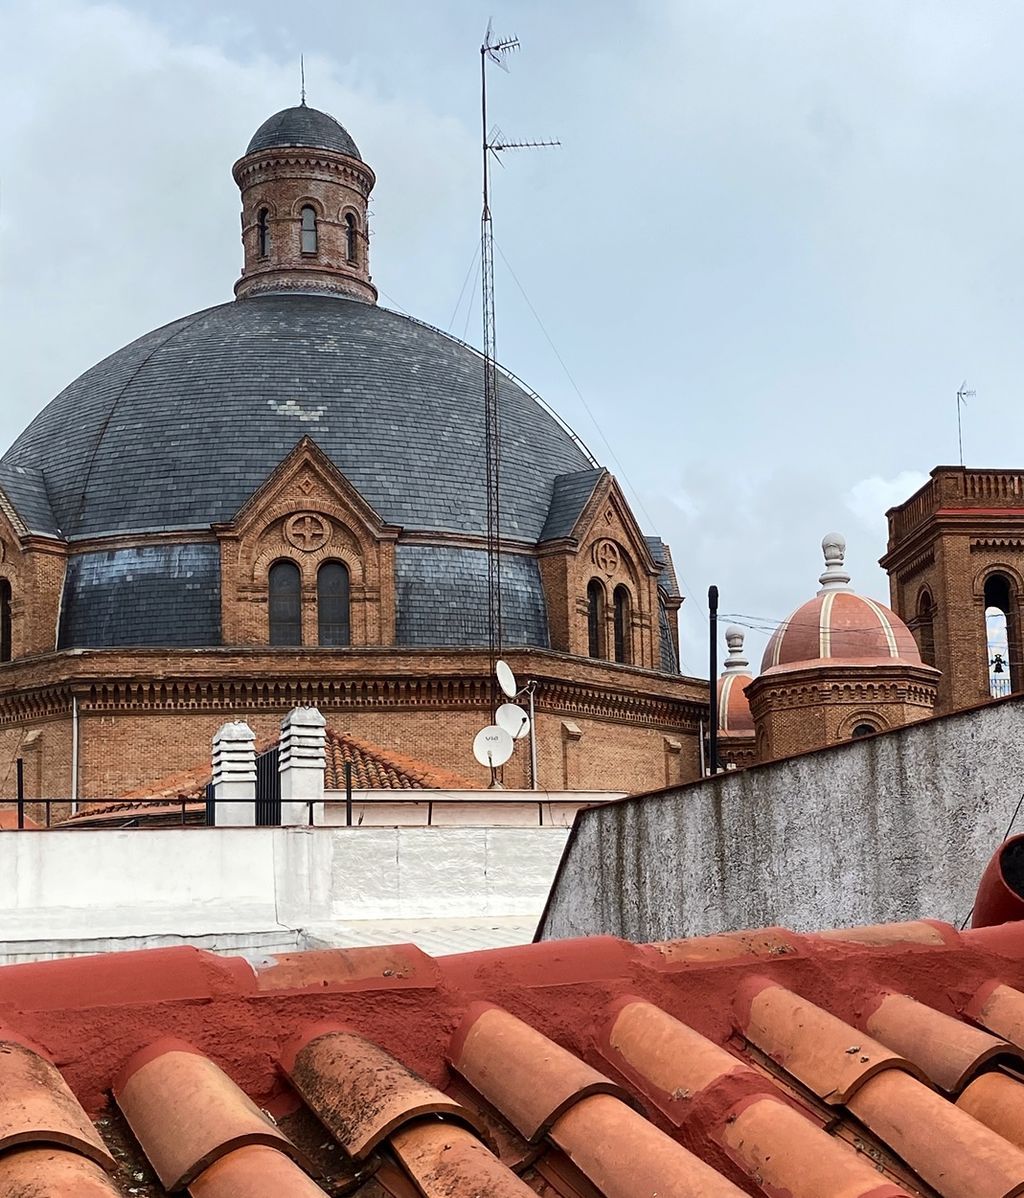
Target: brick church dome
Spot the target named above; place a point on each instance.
(734, 718)
(839, 626)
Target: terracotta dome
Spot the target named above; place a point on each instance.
(734, 718)
(839, 626)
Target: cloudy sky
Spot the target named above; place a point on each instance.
(775, 238)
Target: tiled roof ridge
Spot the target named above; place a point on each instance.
(770, 1061)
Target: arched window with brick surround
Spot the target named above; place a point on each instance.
(5, 620)
(263, 233)
(351, 238)
(284, 583)
(1002, 635)
(595, 619)
(924, 627)
(332, 605)
(309, 235)
(621, 605)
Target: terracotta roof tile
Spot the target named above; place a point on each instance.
(999, 1008)
(187, 1113)
(731, 1065)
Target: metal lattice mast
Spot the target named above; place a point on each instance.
(494, 50)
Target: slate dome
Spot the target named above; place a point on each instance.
(303, 126)
(176, 430)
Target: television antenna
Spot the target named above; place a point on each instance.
(962, 396)
(494, 50)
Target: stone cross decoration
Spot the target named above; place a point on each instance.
(306, 532)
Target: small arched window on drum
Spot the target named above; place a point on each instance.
(332, 605)
(309, 233)
(284, 584)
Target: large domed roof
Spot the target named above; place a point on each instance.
(839, 626)
(177, 430)
(303, 126)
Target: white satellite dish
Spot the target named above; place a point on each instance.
(513, 719)
(506, 679)
(492, 746)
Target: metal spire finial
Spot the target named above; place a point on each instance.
(302, 76)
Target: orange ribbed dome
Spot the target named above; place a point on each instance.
(839, 625)
(734, 718)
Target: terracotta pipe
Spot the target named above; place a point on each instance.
(1000, 897)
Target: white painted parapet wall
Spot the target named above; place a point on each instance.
(71, 892)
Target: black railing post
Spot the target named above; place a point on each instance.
(348, 794)
(21, 792)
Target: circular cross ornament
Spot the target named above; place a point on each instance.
(606, 556)
(492, 746)
(307, 531)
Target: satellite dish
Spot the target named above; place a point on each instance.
(506, 679)
(513, 719)
(492, 746)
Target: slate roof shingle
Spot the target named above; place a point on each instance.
(303, 126)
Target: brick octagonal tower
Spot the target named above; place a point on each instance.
(304, 195)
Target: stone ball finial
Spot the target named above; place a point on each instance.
(834, 578)
(735, 663)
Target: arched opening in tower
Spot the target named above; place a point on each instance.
(1002, 636)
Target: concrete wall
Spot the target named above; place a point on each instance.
(892, 827)
(64, 892)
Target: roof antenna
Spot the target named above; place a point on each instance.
(962, 396)
(302, 76)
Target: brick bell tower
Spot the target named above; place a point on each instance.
(305, 191)
(955, 556)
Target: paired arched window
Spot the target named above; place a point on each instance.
(595, 619)
(351, 238)
(332, 604)
(309, 235)
(285, 602)
(263, 233)
(621, 604)
(5, 620)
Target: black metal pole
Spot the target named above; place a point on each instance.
(21, 792)
(348, 794)
(713, 679)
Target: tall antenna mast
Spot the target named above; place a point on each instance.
(962, 396)
(496, 50)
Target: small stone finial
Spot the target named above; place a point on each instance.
(735, 663)
(834, 577)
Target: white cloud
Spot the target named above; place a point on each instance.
(871, 498)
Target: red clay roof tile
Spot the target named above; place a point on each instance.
(332, 969)
(1000, 1009)
(447, 1161)
(955, 1154)
(997, 1101)
(254, 1172)
(624, 1156)
(918, 931)
(360, 1092)
(52, 1173)
(37, 1107)
(949, 1051)
(187, 1113)
(530, 1079)
(828, 1056)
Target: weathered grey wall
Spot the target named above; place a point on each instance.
(893, 827)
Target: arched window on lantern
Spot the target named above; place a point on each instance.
(863, 729)
(1002, 636)
(5, 620)
(284, 584)
(309, 235)
(332, 605)
(351, 238)
(621, 604)
(263, 233)
(595, 619)
(924, 627)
